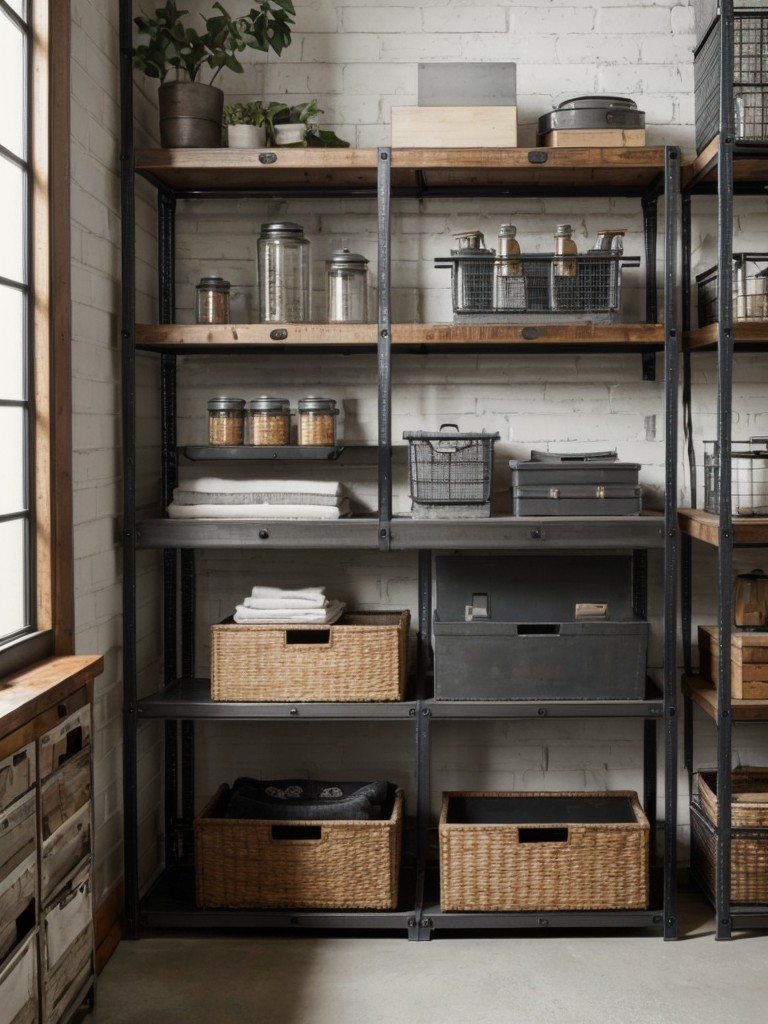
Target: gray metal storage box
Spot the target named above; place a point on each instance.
(575, 488)
(504, 629)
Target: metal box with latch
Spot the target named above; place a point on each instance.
(575, 485)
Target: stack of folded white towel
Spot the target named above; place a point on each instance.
(273, 604)
(213, 497)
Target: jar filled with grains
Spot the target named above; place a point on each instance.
(226, 421)
(270, 420)
(317, 421)
(212, 301)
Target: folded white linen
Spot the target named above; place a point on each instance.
(283, 602)
(255, 497)
(238, 483)
(310, 595)
(258, 511)
(318, 616)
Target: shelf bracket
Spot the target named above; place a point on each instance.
(649, 365)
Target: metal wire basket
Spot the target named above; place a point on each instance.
(541, 284)
(750, 289)
(749, 477)
(450, 472)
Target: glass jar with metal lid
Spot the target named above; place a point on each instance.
(317, 420)
(226, 421)
(283, 272)
(212, 301)
(347, 288)
(270, 421)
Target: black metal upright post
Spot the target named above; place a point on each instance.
(384, 350)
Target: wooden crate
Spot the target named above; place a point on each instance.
(362, 657)
(454, 127)
(539, 858)
(749, 662)
(590, 137)
(18, 983)
(272, 864)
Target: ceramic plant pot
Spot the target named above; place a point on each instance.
(190, 115)
(246, 136)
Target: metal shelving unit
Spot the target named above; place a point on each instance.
(181, 698)
(724, 169)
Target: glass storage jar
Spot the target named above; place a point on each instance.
(317, 420)
(347, 288)
(270, 421)
(283, 272)
(212, 301)
(226, 421)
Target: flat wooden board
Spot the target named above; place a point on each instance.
(705, 526)
(445, 127)
(704, 695)
(594, 137)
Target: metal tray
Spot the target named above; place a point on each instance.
(593, 112)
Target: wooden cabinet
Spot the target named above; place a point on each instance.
(46, 913)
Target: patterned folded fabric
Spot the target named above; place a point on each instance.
(308, 799)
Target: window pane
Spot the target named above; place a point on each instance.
(12, 210)
(12, 78)
(13, 343)
(12, 460)
(12, 571)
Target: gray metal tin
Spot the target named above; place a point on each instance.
(575, 488)
(593, 112)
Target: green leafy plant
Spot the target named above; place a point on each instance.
(175, 46)
(244, 113)
(300, 113)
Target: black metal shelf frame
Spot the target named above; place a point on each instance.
(181, 700)
(728, 915)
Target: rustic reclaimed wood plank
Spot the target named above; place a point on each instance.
(40, 689)
(704, 695)
(744, 335)
(705, 526)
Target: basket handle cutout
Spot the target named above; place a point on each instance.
(300, 832)
(308, 636)
(538, 629)
(542, 835)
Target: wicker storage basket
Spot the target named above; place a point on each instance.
(749, 797)
(543, 859)
(362, 657)
(272, 864)
(749, 861)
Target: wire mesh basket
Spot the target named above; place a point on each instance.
(749, 477)
(450, 472)
(580, 285)
(750, 79)
(750, 289)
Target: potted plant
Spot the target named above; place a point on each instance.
(245, 125)
(191, 110)
(297, 126)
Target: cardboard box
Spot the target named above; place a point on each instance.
(454, 127)
(749, 662)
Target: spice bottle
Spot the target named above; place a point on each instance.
(508, 246)
(212, 301)
(226, 421)
(564, 246)
(270, 421)
(317, 420)
(283, 270)
(347, 288)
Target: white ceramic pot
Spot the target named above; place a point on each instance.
(246, 136)
(289, 134)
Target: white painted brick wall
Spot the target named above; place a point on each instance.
(359, 57)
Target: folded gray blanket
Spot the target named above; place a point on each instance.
(309, 799)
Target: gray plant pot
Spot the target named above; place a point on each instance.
(190, 115)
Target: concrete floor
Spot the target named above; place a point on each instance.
(607, 978)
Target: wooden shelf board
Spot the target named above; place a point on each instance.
(750, 166)
(704, 695)
(744, 335)
(364, 336)
(705, 526)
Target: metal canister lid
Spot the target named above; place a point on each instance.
(599, 102)
(507, 231)
(283, 227)
(563, 229)
(312, 404)
(347, 260)
(214, 283)
(224, 404)
(264, 403)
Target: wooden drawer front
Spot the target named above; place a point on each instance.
(64, 741)
(18, 828)
(64, 793)
(17, 775)
(18, 984)
(63, 851)
(66, 941)
(18, 903)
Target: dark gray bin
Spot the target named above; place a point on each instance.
(574, 488)
(529, 647)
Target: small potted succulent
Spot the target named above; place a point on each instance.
(191, 110)
(297, 126)
(245, 125)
